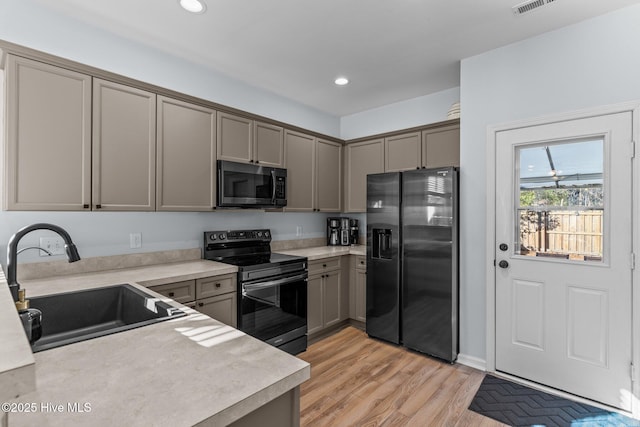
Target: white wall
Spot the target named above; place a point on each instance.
(107, 233)
(590, 64)
(29, 23)
(400, 115)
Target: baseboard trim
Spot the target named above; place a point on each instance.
(472, 361)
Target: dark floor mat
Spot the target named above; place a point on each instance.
(517, 405)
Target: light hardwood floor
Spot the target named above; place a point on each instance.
(359, 381)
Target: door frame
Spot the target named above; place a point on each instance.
(490, 234)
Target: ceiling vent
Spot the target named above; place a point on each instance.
(528, 6)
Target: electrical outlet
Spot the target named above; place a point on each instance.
(135, 240)
(298, 230)
(55, 245)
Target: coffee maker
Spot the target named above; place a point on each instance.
(354, 231)
(345, 236)
(333, 231)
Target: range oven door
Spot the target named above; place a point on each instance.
(244, 185)
(275, 310)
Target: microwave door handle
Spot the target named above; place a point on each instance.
(273, 186)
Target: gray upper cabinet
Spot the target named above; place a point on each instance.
(124, 148)
(235, 138)
(328, 180)
(313, 173)
(268, 147)
(402, 152)
(77, 142)
(362, 158)
(441, 147)
(48, 137)
(246, 141)
(300, 161)
(186, 157)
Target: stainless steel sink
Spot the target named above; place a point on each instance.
(70, 317)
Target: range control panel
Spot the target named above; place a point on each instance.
(237, 236)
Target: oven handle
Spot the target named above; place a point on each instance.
(272, 283)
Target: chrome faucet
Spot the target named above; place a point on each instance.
(12, 252)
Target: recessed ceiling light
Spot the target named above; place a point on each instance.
(341, 81)
(193, 6)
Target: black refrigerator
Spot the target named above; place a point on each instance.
(412, 260)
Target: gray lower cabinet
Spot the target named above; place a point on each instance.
(326, 299)
(183, 292)
(214, 296)
(358, 288)
(222, 308)
(314, 305)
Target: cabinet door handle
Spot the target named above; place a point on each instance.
(257, 161)
(98, 206)
(324, 265)
(85, 206)
(217, 285)
(171, 294)
(200, 304)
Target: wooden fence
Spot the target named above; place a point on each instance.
(562, 232)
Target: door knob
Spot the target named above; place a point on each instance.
(503, 264)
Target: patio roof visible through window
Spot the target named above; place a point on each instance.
(562, 166)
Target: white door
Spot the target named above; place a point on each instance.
(564, 256)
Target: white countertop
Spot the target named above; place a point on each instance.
(17, 365)
(321, 252)
(179, 372)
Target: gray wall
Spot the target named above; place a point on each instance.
(590, 64)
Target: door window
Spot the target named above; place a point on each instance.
(560, 189)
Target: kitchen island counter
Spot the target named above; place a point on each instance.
(188, 371)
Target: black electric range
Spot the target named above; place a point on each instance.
(272, 287)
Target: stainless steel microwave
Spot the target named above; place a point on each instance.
(242, 185)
